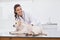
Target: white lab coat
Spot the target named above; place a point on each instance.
(27, 18)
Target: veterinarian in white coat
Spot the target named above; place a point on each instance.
(26, 19)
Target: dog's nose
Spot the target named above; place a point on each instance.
(13, 25)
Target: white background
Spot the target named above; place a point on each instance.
(40, 9)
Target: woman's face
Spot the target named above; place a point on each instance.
(19, 11)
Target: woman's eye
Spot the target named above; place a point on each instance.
(20, 9)
(17, 10)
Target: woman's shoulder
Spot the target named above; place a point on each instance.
(26, 13)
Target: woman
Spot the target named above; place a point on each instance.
(24, 23)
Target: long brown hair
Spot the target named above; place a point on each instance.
(17, 5)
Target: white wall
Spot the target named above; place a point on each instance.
(46, 9)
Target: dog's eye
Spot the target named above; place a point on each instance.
(15, 23)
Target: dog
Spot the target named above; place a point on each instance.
(27, 29)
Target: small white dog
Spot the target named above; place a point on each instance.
(23, 28)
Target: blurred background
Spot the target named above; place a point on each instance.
(47, 11)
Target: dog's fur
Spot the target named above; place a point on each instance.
(30, 29)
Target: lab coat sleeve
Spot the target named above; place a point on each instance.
(34, 20)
